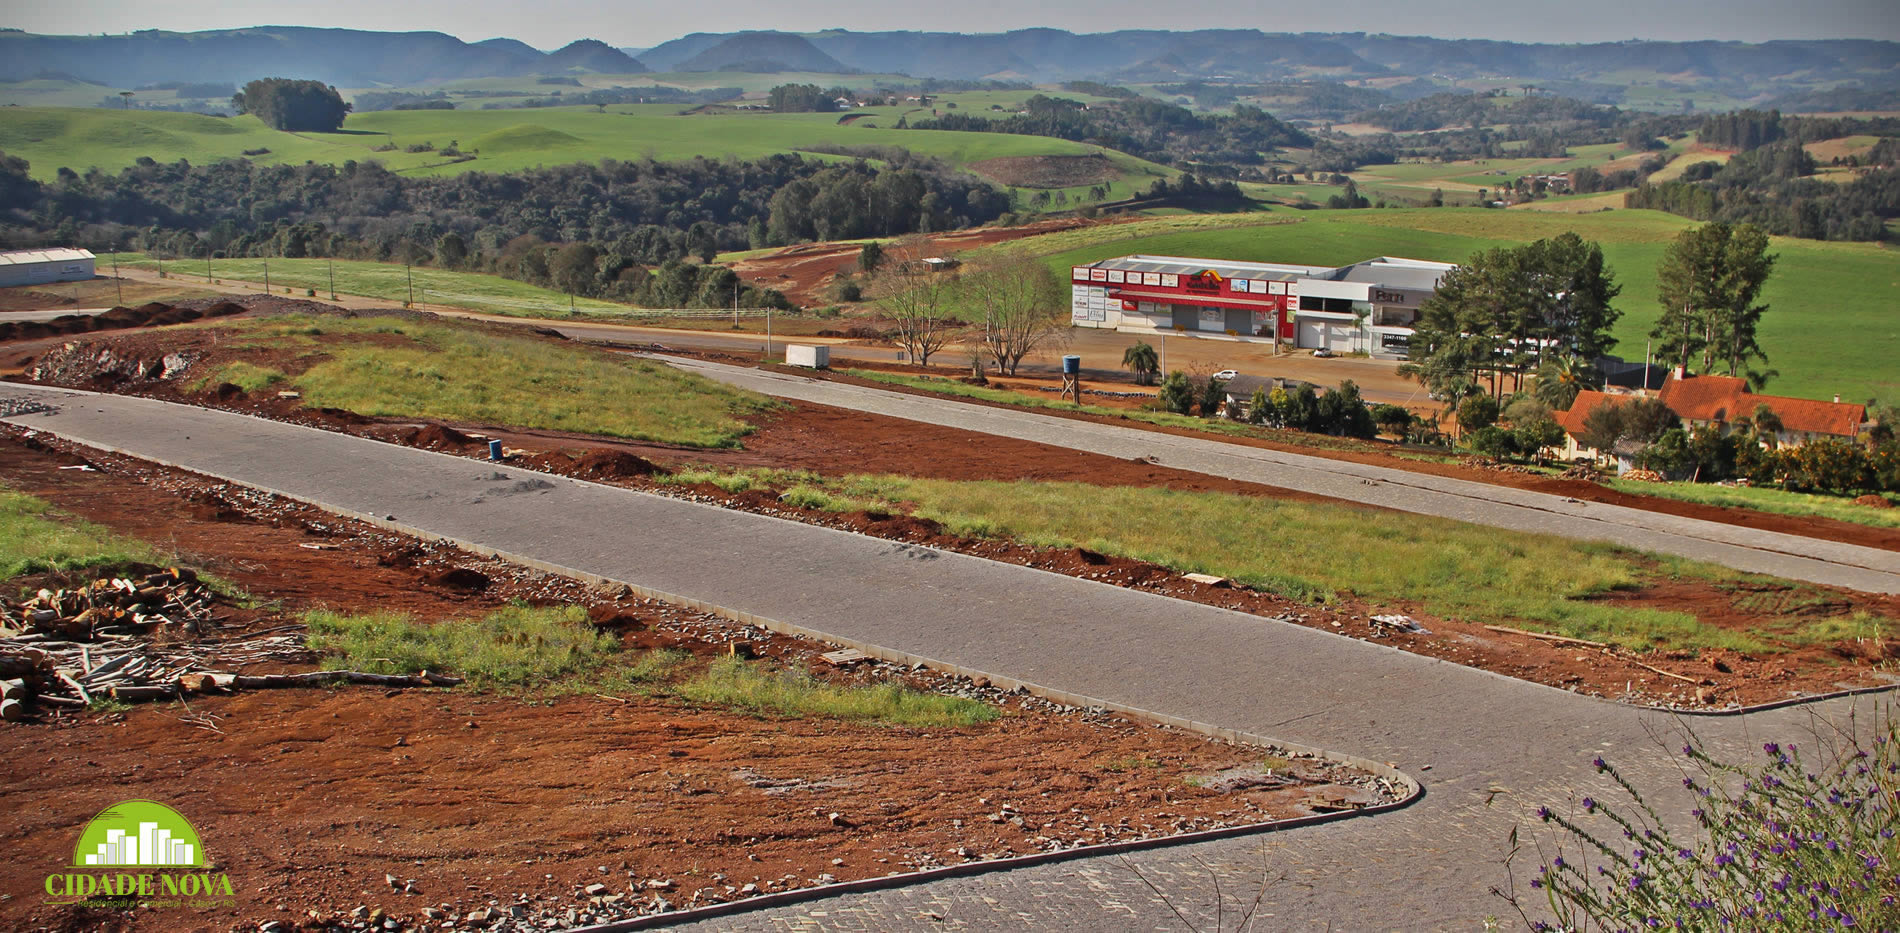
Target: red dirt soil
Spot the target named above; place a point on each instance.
(835, 442)
(805, 273)
(308, 797)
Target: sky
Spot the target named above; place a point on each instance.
(549, 24)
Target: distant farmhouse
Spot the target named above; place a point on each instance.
(1718, 402)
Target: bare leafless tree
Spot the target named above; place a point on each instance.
(1020, 304)
(915, 295)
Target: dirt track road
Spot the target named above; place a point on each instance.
(1488, 748)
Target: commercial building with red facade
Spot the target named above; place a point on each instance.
(1367, 307)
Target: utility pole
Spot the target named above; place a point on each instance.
(735, 307)
(768, 333)
(410, 274)
(207, 266)
(333, 280)
(116, 281)
(266, 276)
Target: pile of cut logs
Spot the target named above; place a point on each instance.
(148, 636)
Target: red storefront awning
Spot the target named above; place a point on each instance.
(1176, 298)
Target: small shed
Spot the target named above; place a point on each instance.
(41, 266)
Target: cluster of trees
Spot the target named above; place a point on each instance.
(1508, 312)
(1140, 126)
(1771, 188)
(625, 218)
(1709, 285)
(801, 98)
(1341, 412)
(1013, 305)
(1746, 450)
(1477, 110)
(237, 208)
(293, 105)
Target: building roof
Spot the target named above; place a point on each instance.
(1726, 398)
(1571, 419)
(1182, 265)
(1242, 386)
(29, 256)
(1394, 272)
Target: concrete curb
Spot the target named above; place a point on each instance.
(971, 869)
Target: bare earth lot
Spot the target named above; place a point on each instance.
(835, 442)
(308, 798)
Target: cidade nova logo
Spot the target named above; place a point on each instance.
(144, 850)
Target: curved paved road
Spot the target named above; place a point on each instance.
(1488, 748)
(1801, 558)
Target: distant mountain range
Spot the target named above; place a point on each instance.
(355, 58)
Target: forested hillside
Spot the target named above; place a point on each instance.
(627, 215)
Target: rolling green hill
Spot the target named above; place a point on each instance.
(1833, 324)
(502, 140)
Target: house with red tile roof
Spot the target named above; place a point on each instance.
(1720, 401)
(1571, 420)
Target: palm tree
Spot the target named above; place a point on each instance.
(1560, 379)
(1142, 359)
(1763, 427)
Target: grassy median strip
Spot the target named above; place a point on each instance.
(1312, 552)
(556, 651)
(35, 538)
(388, 366)
(1764, 499)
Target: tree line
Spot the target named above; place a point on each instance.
(1772, 187)
(631, 215)
(1140, 126)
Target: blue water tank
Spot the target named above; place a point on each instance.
(1071, 365)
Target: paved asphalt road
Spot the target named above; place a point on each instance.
(1784, 555)
(1488, 748)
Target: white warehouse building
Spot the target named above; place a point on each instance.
(1368, 307)
(40, 266)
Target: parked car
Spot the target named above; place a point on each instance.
(1226, 375)
(1322, 352)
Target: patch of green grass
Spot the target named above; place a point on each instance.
(1765, 499)
(1858, 626)
(554, 652)
(1320, 553)
(751, 686)
(462, 373)
(36, 538)
(245, 375)
(474, 291)
(952, 387)
(512, 647)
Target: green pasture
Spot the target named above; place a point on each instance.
(501, 140)
(388, 281)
